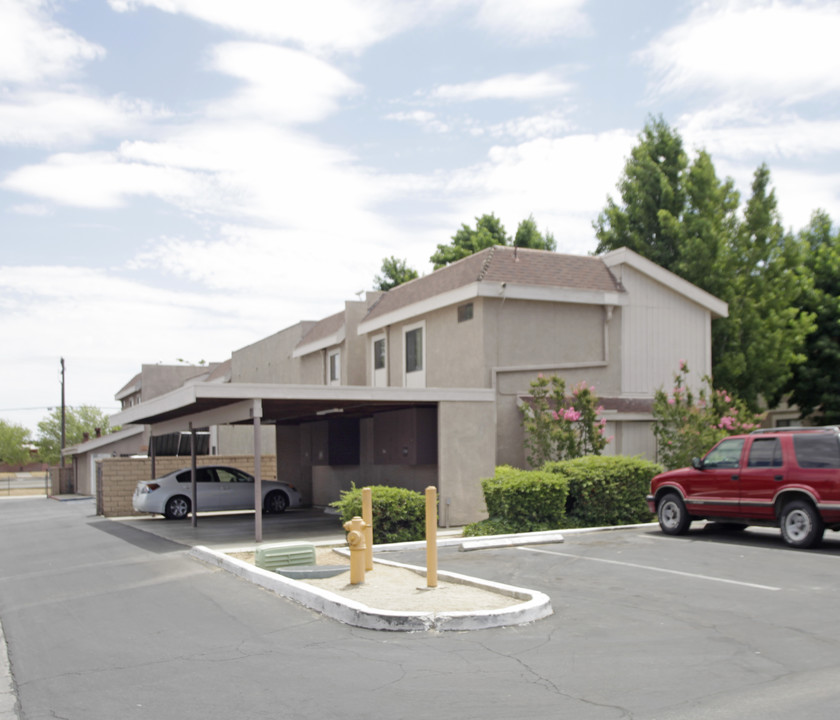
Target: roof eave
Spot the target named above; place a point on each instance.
(625, 256)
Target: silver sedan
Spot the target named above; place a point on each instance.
(217, 488)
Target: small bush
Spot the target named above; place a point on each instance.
(399, 514)
(606, 490)
(490, 526)
(524, 500)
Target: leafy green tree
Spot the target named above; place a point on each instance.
(528, 236)
(559, 427)
(394, 272)
(77, 422)
(488, 232)
(686, 424)
(13, 443)
(815, 384)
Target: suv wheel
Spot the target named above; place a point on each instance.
(801, 524)
(673, 517)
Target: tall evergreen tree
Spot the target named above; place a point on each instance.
(653, 199)
(815, 386)
(755, 349)
(684, 218)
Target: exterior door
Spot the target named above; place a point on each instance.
(236, 490)
(762, 474)
(716, 489)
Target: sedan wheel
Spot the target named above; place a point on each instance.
(673, 518)
(801, 525)
(276, 502)
(177, 508)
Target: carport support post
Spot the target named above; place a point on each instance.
(193, 491)
(257, 479)
(152, 453)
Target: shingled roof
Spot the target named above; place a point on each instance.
(517, 266)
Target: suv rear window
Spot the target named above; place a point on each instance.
(817, 451)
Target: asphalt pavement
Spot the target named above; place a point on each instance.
(104, 619)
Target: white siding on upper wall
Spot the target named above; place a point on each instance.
(661, 328)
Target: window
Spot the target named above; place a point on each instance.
(414, 350)
(465, 312)
(765, 452)
(817, 451)
(334, 369)
(379, 354)
(725, 455)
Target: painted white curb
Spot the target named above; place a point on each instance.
(534, 606)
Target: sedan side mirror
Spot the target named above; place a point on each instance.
(697, 463)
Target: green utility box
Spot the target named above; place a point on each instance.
(271, 557)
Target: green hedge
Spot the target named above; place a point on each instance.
(521, 501)
(399, 514)
(606, 490)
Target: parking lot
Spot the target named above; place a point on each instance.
(709, 625)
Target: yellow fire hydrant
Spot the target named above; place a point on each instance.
(356, 540)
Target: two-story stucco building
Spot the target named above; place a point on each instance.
(422, 384)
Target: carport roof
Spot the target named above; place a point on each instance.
(203, 405)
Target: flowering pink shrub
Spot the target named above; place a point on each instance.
(560, 427)
(687, 425)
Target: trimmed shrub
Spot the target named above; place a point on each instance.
(522, 501)
(399, 514)
(606, 490)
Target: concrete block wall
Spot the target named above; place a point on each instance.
(119, 476)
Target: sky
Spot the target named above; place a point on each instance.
(182, 178)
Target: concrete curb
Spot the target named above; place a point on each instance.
(534, 606)
(8, 697)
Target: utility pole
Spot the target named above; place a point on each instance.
(62, 414)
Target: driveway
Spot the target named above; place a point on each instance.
(105, 620)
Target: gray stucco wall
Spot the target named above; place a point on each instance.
(270, 360)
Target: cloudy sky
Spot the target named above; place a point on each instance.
(180, 178)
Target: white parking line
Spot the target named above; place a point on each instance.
(654, 569)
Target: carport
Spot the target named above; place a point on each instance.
(463, 429)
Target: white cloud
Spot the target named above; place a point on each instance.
(33, 209)
(533, 19)
(425, 119)
(531, 127)
(281, 85)
(768, 49)
(512, 86)
(33, 47)
(103, 180)
(564, 182)
(69, 117)
(321, 27)
(741, 133)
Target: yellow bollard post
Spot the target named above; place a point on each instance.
(431, 537)
(367, 516)
(356, 541)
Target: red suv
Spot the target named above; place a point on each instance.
(784, 477)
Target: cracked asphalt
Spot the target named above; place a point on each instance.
(103, 620)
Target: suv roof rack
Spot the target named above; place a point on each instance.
(797, 428)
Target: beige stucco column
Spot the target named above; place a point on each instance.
(466, 453)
